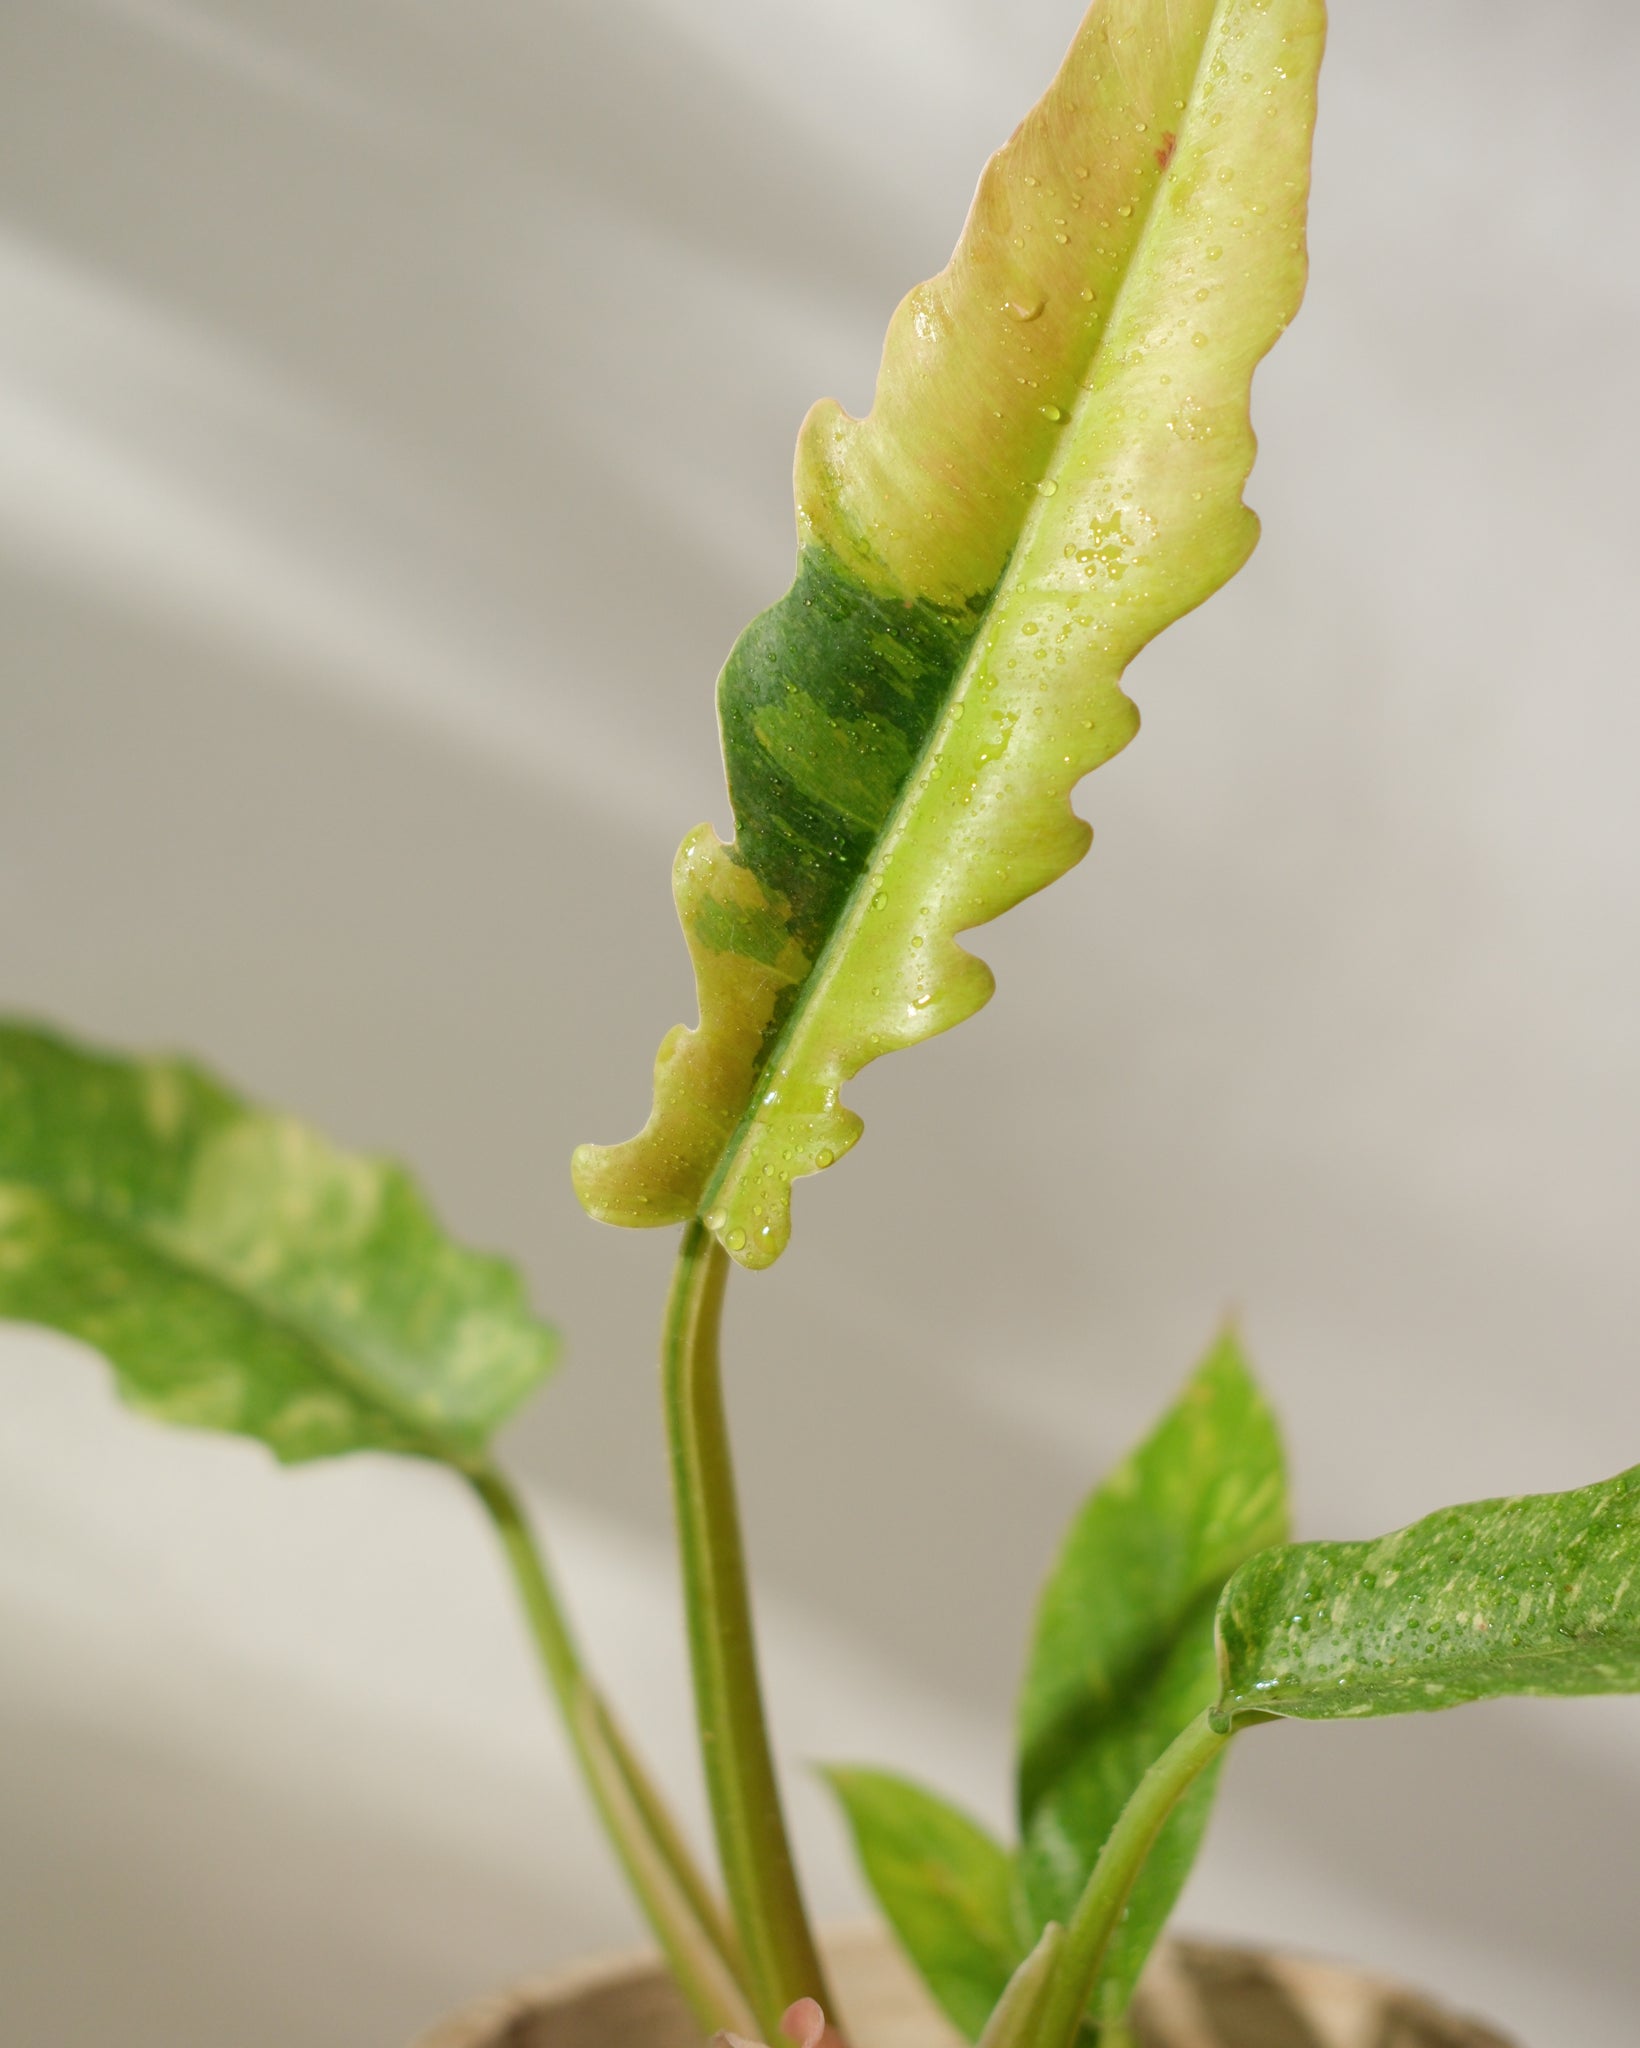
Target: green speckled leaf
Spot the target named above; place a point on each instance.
(1051, 473)
(1539, 1594)
(946, 1888)
(239, 1272)
(1122, 1656)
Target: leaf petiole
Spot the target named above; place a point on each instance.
(1099, 1910)
(782, 1962)
(675, 1896)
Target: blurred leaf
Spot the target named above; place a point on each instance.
(1014, 2023)
(1050, 474)
(1122, 1657)
(1540, 1594)
(945, 1887)
(239, 1272)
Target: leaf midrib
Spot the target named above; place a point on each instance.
(851, 913)
(151, 1236)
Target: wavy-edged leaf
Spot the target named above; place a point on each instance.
(239, 1272)
(946, 1888)
(1051, 473)
(1123, 1654)
(1539, 1594)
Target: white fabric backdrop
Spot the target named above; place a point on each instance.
(396, 405)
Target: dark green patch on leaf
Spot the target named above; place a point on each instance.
(826, 701)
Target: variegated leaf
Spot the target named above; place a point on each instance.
(1050, 474)
(239, 1272)
(1539, 1594)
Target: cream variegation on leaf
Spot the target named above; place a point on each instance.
(1051, 473)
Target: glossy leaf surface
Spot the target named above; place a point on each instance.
(946, 1888)
(239, 1272)
(1051, 473)
(1539, 1594)
(1123, 1658)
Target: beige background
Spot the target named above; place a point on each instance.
(396, 404)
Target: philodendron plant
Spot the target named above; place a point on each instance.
(1051, 473)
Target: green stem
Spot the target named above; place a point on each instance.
(782, 1962)
(1099, 1910)
(676, 1898)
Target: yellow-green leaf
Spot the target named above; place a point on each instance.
(239, 1272)
(1050, 474)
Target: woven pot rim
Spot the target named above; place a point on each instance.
(1188, 1981)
